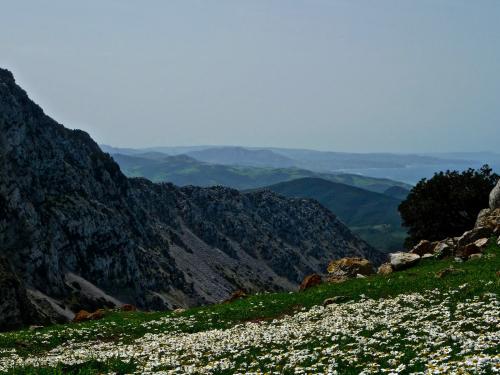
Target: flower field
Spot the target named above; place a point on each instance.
(398, 325)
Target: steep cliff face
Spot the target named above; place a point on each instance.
(78, 232)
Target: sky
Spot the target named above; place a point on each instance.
(353, 75)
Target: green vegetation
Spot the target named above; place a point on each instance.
(183, 170)
(473, 279)
(92, 367)
(447, 204)
(373, 216)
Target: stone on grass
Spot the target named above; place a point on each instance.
(401, 260)
(473, 235)
(128, 307)
(336, 299)
(423, 247)
(83, 315)
(482, 243)
(385, 269)
(310, 281)
(468, 250)
(238, 294)
(350, 267)
(443, 250)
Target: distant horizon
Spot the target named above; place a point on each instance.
(298, 148)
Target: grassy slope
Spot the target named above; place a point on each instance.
(478, 276)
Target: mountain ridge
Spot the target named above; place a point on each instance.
(373, 216)
(182, 169)
(69, 214)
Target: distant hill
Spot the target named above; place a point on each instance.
(397, 192)
(373, 216)
(409, 168)
(183, 170)
(243, 157)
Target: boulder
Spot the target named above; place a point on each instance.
(401, 260)
(443, 250)
(482, 243)
(350, 267)
(466, 251)
(473, 235)
(83, 315)
(98, 314)
(495, 197)
(475, 256)
(336, 299)
(427, 255)
(128, 308)
(385, 269)
(336, 279)
(310, 281)
(488, 218)
(238, 294)
(423, 247)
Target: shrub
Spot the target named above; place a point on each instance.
(447, 204)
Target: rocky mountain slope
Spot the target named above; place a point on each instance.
(76, 233)
(373, 216)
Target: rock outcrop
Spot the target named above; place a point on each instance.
(495, 197)
(80, 235)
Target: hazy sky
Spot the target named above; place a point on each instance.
(421, 75)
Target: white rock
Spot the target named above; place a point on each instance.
(495, 197)
(402, 260)
(482, 242)
(475, 256)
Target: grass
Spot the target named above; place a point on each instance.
(87, 368)
(479, 276)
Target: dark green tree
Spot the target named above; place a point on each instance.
(447, 204)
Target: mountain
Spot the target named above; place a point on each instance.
(409, 168)
(397, 192)
(183, 170)
(78, 234)
(242, 156)
(379, 225)
(373, 216)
